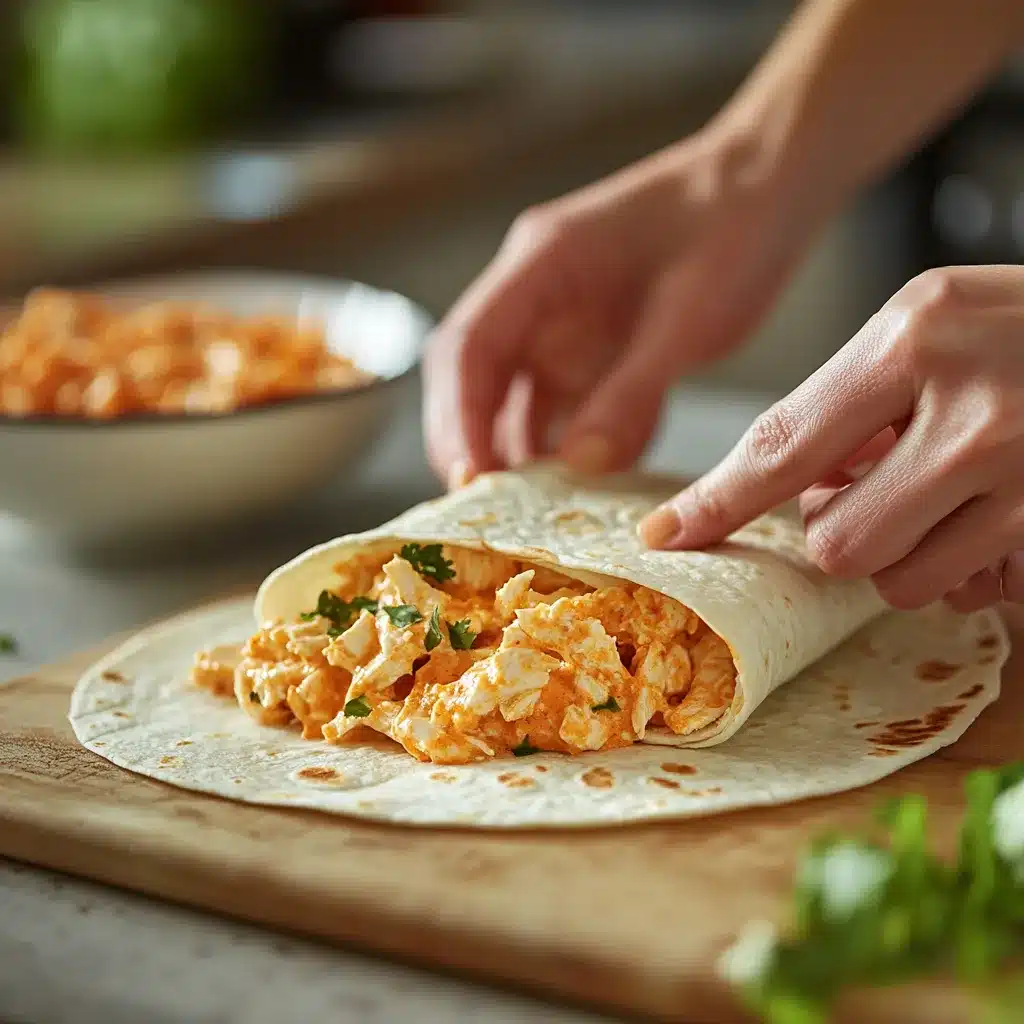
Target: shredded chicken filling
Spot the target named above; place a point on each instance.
(461, 655)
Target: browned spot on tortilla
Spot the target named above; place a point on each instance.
(787, 645)
(168, 760)
(540, 554)
(867, 647)
(763, 529)
(972, 691)
(318, 773)
(666, 783)
(678, 768)
(936, 671)
(183, 743)
(219, 735)
(515, 780)
(487, 519)
(273, 753)
(99, 743)
(987, 660)
(442, 776)
(598, 778)
(113, 677)
(786, 601)
(911, 732)
(575, 520)
(866, 725)
(880, 752)
(238, 782)
(844, 705)
(988, 641)
(710, 791)
(540, 767)
(120, 714)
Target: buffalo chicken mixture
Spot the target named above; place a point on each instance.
(461, 655)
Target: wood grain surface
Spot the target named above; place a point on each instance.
(628, 919)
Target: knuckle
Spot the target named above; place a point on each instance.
(830, 550)
(772, 440)
(537, 228)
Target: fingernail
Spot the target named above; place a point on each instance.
(459, 475)
(590, 454)
(659, 528)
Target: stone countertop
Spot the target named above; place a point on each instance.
(72, 951)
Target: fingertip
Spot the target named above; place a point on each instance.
(659, 529)
(591, 453)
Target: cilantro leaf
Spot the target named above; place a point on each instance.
(338, 612)
(524, 749)
(461, 635)
(611, 704)
(402, 614)
(428, 561)
(434, 636)
(254, 697)
(8, 645)
(357, 708)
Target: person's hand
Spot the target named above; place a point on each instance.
(597, 302)
(907, 446)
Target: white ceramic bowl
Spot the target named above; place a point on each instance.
(84, 482)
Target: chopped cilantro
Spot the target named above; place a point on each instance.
(524, 749)
(428, 561)
(434, 636)
(401, 614)
(339, 612)
(611, 704)
(878, 914)
(461, 635)
(8, 645)
(254, 697)
(357, 708)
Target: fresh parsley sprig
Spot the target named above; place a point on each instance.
(339, 612)
(460, 636)
(429, 561)
(8, 644)
(877, 914)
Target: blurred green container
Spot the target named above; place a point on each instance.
(120, 76)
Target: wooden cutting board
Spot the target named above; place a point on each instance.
(629, 919)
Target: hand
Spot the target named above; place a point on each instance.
(908, 445)
(597, 302)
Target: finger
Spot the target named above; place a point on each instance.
(471, 361)
(796, 443)
(1013, 577)
(815, 498)
(972, 538)
(526, 421)
(881, 518)
(980, 591)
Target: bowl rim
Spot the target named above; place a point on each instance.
(236, 274)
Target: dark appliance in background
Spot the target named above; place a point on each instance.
(968, 184)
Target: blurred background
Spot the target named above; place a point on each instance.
(393, 142)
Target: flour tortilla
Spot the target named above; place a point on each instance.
(902, 687)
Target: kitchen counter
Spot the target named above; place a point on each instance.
(72, 951)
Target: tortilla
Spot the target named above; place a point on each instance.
(902, 687)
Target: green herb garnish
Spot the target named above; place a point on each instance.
(339, 612)
(868, 913)
(434, 635)
(254, 697)
(461, 635)
(524, 749)
(401, 614)
(8, 645)
(611, 704)
(428, 561)
(357, 708)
